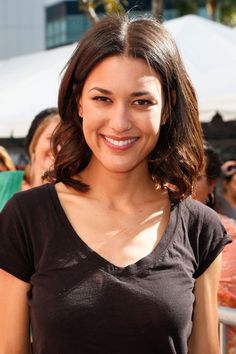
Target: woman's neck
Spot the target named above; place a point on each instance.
(119, 188)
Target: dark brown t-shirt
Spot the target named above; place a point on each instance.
(82, 304)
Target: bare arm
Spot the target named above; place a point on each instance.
(204, 337)
(14, 315)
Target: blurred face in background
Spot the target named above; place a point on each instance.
(204, 186)
(230, 187)
(2, 166)
(41, 154)
(6, 162)
(41, 158)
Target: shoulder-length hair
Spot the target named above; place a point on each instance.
(178, 155)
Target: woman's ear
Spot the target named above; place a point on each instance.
(80, 111)
(164, 118)
(165, 115)
(79, 108)
(167, 112)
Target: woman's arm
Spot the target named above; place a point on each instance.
(204, 337)
(14, 315)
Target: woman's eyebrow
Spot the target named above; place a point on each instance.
(102, 90)
(140, 93)
(108, 92)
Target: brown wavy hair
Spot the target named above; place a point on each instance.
(178, 155)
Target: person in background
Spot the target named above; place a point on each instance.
(204, 189)
(204, 192)
(226, 203)
(105, 258)
(6, 163)
(38, 148)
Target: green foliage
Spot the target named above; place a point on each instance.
(114, 6)
(110, 6)
(185, 7)
(227, 9)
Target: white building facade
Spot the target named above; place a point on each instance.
(22, 27)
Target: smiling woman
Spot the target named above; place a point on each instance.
(147, 43)
(107, 259)
(121, 118)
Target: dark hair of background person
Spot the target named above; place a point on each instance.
(36, 122)
(213, 162)
(178, 155)
(212, 169)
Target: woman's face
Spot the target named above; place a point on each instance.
(203, 188)
(2, 167)
(204, 185)
(42, 155)
(230, 187)
(121, 106)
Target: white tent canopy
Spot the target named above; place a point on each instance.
(209, 53)
(30, 83)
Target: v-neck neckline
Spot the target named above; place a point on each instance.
(152, 258)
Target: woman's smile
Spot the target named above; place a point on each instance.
(119, 144)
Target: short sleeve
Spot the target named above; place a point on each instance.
(15, 247)
(212, 239)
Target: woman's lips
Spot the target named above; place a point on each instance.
(123, 143)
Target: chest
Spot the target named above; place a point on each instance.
(122, 238)
(103, 302)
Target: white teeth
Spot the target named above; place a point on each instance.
(120, 142)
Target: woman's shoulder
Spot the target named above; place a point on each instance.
(201, 221)
(39, 191)
(197, 210)
(205, 232)
(30, 197)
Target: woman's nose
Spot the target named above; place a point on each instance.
(120, 118)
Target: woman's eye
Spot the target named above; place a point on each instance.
(143, 103)
(101, 98)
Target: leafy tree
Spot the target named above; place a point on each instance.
(110, 6)
(228, 12)
(157, 8)
(185, 7)
(225, 8)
